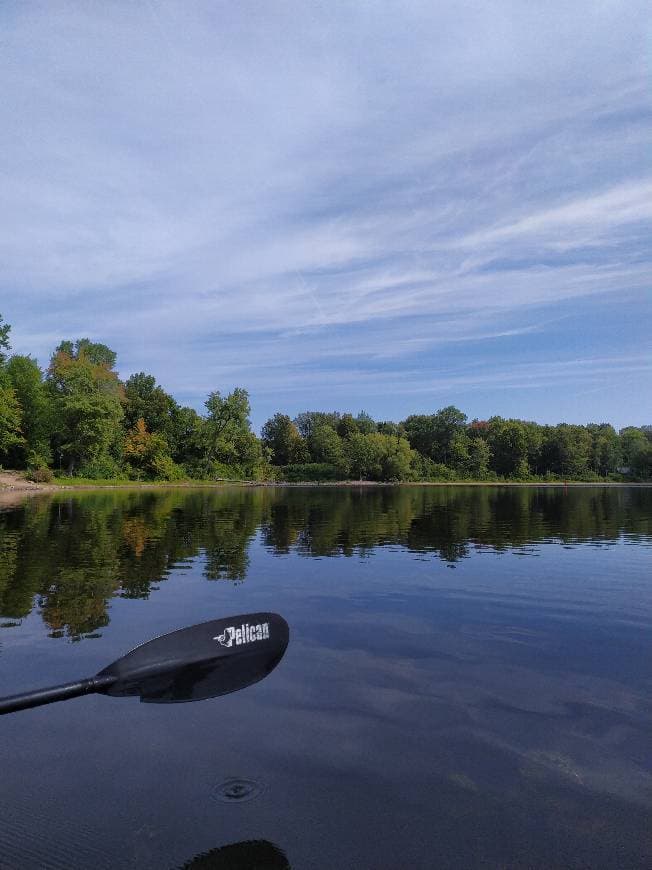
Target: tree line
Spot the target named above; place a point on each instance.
(80, 419)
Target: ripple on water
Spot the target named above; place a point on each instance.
(236, 790)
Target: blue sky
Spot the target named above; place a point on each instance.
(381, 206)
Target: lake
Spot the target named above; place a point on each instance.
(467, 684)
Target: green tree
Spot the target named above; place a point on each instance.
(632, 439)
(636, 451)
(148, 455)
(186, 437)
(10, 417)
(567, 450)
(11, 436)
(396, 456)
(282, 438)
(606, 456)
(641, 460)
(387, 427)
(508, 442)
(365, 423)
(98, 354)
(144, 399)
(433, 435)
(5, 345)
(363, 457)
(309, 420)
(420, 432)
(325, 445)
(478, 459)
(534, 437)
(449, 424)
(227, 432)
(26, 378)
(458, 456)
(87, 401)
(379, 457)
(347, 426)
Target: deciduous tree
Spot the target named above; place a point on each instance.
(434, 434)
(508, 442)
(227, 431)
(325, 445)
(147, 453)
(10, 416)
(282, 438)
(145, 399)
(26, 378)
(87, 400)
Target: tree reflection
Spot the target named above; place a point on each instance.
(67, 556)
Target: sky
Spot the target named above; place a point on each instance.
(337, 205)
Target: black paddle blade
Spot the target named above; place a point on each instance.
(203, 661)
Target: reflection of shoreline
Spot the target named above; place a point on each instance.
(14, 495)
(21, 488)
(67, 554)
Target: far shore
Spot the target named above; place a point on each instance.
(14, 486)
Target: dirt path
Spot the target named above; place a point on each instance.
(14, 488)
(15, 481)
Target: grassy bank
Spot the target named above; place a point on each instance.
(16, 481)
(88, 483)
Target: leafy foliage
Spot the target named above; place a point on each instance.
(508, 443)
(147, 455)
(283, 440)
(82, 415)
(149, 402)
(227, 435)
(87, 400)
(5, 347)
(311, 471)
(10, 417)
(26, 378)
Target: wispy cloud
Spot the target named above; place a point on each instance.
(224, 192)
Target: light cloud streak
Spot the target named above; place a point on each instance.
(333, 206)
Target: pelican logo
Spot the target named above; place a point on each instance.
(245, 633)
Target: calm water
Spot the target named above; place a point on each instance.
(468, 681)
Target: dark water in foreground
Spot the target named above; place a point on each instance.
(468, 681)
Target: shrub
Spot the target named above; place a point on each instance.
(207, 469)
(263, 471)
(102, 468)
(311, 471)
(42, 474)
(436, 471)
(165, 468)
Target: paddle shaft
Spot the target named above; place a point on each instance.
(54, 693)
(190, 664)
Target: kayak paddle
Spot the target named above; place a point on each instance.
(191, 664)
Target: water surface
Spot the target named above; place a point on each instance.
(467, 682)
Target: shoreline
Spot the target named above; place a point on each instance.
(14, 484)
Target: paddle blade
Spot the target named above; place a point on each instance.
(203, 661)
